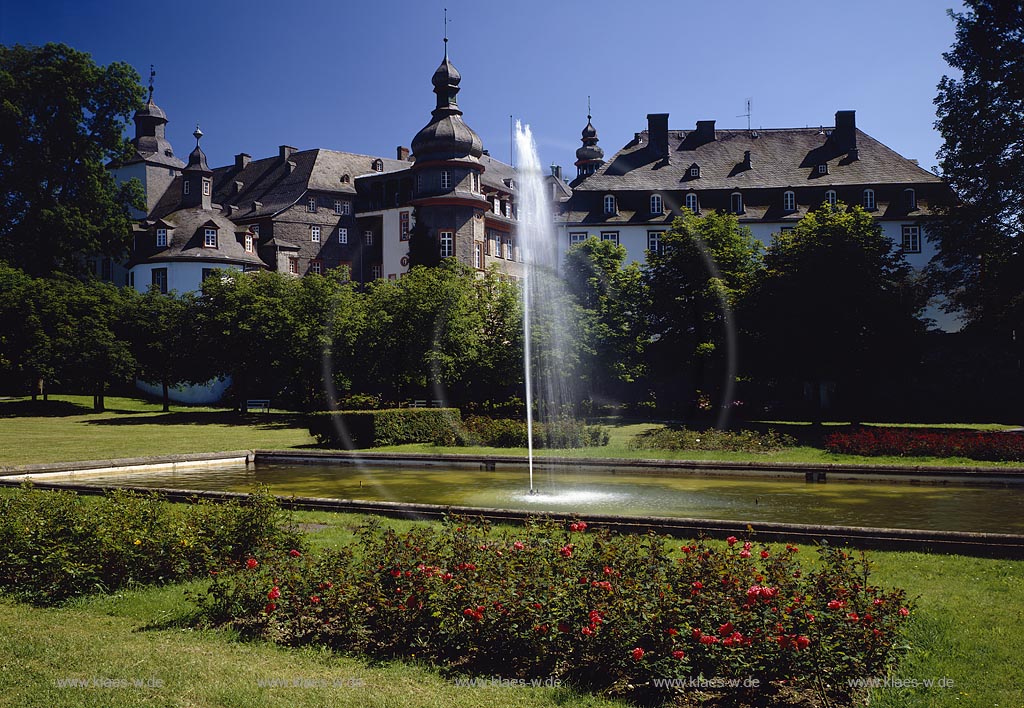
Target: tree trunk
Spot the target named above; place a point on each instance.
(167, 396)
(98, 404)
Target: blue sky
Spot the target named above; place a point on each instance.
(355, 76)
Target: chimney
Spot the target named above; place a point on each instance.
(747, 163)
(556, 171)
(845, 134)
(657, 133)
(241, 160)
(705, 131)
(284, 152)
(403, 153)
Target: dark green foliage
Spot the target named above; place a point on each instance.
(564, 433)
(980, 265)
(373, 428)
(711, 439)
(62, 118)
(58, 545)
(603, 612)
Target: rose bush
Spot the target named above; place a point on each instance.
(606, 612)
(976, 445)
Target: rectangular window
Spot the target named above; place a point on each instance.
(478, 255)
(403, 225)
(789, 201)
(293, 266)
(446, 179)
(447, 242)
(785, 229)
(255, 228)
(206, 187)
(107, 269)
(375, 271)
(577, 237)
(342, 235)
(823, 168)
(210, 238)
(248, 243)
(161, 238)
(508, 249)
(316, 267)
(508, 209)
(419, 184)
(160, 279)
(187, 185)
(368, 238)
(911, 239)
(314, 234)
(612, 236)
(654, 241)
(494, 244)
(337, 207)
(311, 204)
(346, 208)
(496, 206)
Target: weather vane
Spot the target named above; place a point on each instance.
(152, 75)
(446, 31)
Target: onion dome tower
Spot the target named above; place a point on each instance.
(590, 156)
(197, 178)
(447, 175)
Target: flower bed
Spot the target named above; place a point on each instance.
(917, 442)
(616, 614)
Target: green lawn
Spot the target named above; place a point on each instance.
(66, 429)
(965, 629)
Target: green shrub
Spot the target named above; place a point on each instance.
(507, 432)
(391, 426)
(58, 545)
(604, 612)
(711, 439)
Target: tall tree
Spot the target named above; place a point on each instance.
(61, 118)
(162, 339)
(980, 263)
(611, 297)
(703, 270)
(836, 303)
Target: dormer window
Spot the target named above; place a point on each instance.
(345, 179)
(207, 186)
(656, 205)
(210, 238)
(694, 172)
(869, 199)
(497, 206)
(161, 238)
(831, 198)
(789, 201)
(609, 204)
(910, 199)
(736, 203)
(823, 168)
(311, 204)
(691, 203)
(508, 209)
(378, 165)
(248, 243)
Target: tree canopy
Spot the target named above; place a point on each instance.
(980, 264)
(62, 118)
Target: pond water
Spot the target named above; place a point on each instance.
(588, 491)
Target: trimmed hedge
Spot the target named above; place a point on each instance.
(392, 426)
(507, 432)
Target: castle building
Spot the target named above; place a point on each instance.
(770, 178)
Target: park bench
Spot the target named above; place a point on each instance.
(263, 404)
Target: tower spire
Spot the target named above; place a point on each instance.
(152, 75)
(446, 33)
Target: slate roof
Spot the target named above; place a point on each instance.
(185, 238)
(780, 157)
(270, 182)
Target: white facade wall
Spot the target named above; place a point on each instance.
(203, 394)
(393, 248)
(182, 277)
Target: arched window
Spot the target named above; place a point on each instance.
(831, 198)
(609, 204)
(910, 199)
(869, 199)
(378, 165)
(656, 206)
(736, 203)
(691, 203)
(789, 200)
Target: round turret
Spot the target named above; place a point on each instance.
(446, 136)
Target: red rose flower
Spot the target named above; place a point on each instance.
(677, 654)
(270, 607)
(294, 554)
(904, 612)
(638, 654)
(251, 563)
(274, 593)
(731, 540)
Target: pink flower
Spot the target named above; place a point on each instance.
(731, 540)
(744, 553)
(904, 612)
(638, 654)
(566, 551)
(518, 545)
(587, 631)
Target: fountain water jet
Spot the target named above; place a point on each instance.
(545, 317)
